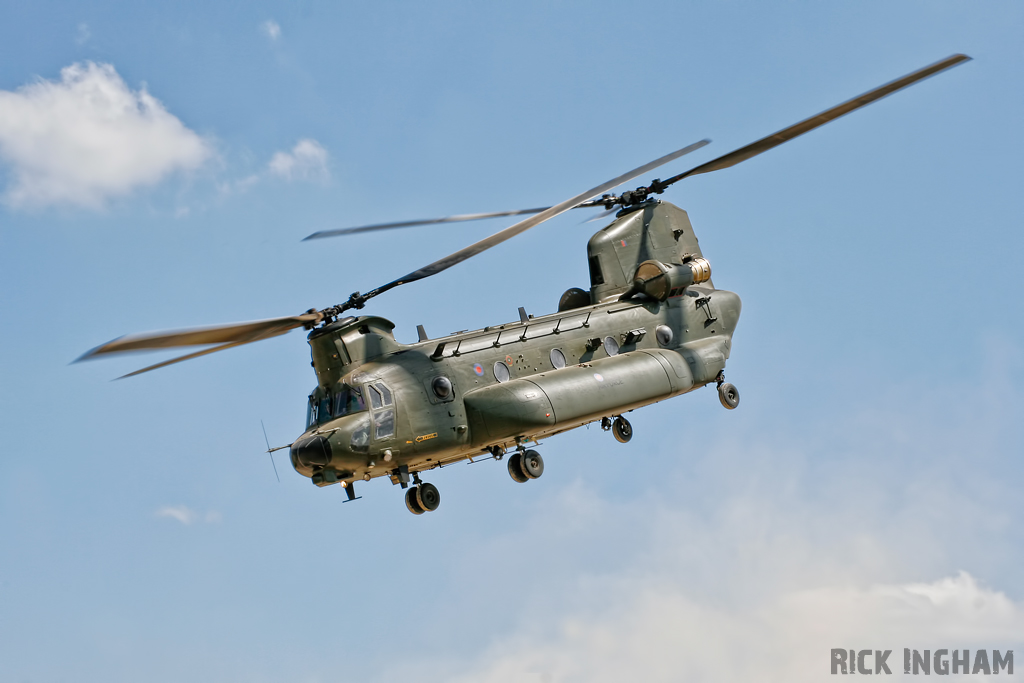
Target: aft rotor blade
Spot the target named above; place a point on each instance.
(229, 335)
(524, 225)
(786, 134)
(429, 221)
(602, 215)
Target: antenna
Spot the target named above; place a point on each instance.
(270, 451)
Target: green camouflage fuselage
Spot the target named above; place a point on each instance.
(379, 406)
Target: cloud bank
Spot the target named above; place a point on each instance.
(659, 631)
(87, 138)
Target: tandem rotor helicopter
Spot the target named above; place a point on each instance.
(652, 326)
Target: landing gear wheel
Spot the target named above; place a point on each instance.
(622, 430)
(515, 468)
(729, 395)
(427, 497)
(532, 464)
(412, 503)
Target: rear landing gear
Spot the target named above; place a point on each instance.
(422, 498)
(526, 465)
(728, 394)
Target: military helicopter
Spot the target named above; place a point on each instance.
(652, 326)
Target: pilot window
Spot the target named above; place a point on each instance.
(348, 400)
(345, 401)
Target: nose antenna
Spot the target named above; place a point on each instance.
(270, 451)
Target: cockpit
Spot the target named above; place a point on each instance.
(324, 407)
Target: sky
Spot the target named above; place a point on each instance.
(159, 166)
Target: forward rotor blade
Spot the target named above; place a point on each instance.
(190, 356)
(786, 134)
(522, 226)
(408, 224)
(237, 333)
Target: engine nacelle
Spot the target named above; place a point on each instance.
(661, 280)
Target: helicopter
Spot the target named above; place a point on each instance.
(651, 326)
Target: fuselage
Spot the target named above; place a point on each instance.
(385, 408)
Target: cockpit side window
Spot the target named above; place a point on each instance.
(380, 395)
(376, 400)
(383, 414)
(311, 412)
(385, 421)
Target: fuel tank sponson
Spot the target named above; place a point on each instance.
(573, 394)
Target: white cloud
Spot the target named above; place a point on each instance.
(88, 137)
(659, 631)
(307, 160)
(181, 513)
(271, 28)
(187, 515)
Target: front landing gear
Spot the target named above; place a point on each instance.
(728, 394)
(622, 430)
(422, 498)
(524, 466)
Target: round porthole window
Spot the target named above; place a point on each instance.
(501, 372)
(557, 359)
(442, 387)
(611, 347)
(664, 335)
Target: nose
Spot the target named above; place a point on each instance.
(312, 451)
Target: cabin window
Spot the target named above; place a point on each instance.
(501, 372)
(611, 346)
(664, 334)
(557, 359)
(596, 276)
(442, 387)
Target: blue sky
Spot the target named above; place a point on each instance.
(159, 166)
